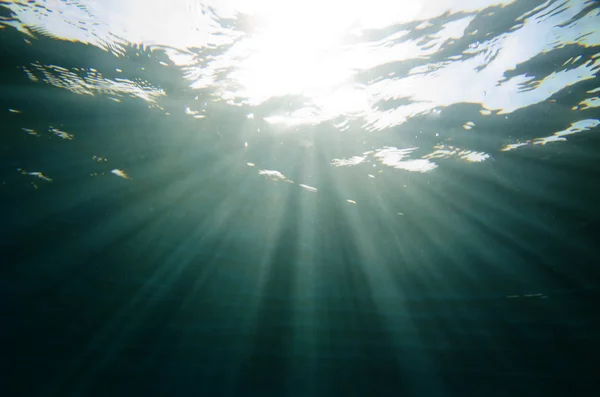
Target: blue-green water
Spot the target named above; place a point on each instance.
(299, 198)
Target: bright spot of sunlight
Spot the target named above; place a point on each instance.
(299, 49)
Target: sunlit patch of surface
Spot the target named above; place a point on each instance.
(513, 146)
(473, 157)
(480, 76)
(35, 174)
(468, 125)
(194, 113)
(448, 151)
(92, 82)
(61, 134)
(120, 173)
(354, 160)
(580, 126)
(274, 176)
(559, 136)
(392, 157)
(399, 158)
(308, 188)
(589, 103)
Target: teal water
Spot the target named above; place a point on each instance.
(299, 198)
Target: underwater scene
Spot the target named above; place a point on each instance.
(300, 198)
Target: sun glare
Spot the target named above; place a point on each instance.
(302, 49)
(297, 50)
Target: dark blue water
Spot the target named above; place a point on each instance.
(328, 199)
